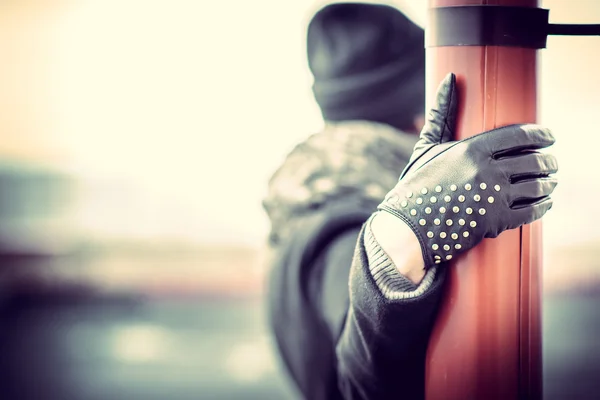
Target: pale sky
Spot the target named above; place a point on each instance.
(197, 102)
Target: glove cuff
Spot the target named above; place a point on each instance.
(446, 221)
(428, 259)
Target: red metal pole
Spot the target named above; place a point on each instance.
(486, 343)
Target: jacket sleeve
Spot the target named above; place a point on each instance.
(382, 348)
(347, 324)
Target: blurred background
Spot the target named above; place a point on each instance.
(136, 140)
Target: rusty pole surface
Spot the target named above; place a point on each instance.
(486, 343)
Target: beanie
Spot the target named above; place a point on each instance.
(368, 63)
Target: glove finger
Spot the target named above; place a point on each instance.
(531, 213)
(512, 140)
(441, 119)
(524, 194)
(528, 166)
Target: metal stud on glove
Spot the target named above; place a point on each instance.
(455, 193)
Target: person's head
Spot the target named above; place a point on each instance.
(368, 63)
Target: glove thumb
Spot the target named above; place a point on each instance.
(441, 120)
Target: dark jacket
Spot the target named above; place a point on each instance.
(338, 335)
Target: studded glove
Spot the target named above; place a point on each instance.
(452, 194)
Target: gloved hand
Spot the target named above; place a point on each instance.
(452, 194)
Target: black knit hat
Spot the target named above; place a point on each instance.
(368, 63)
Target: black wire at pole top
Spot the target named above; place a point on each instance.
(574, 29)
(506, 26)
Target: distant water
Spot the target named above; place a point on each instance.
(106, 350)
(571, 348)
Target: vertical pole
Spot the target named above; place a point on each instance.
(486, 343)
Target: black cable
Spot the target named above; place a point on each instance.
(574, 29)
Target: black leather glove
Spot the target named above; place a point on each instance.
(455, 193)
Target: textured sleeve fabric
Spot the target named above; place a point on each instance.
(391, 283)
(339, 333)
(382, 349)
